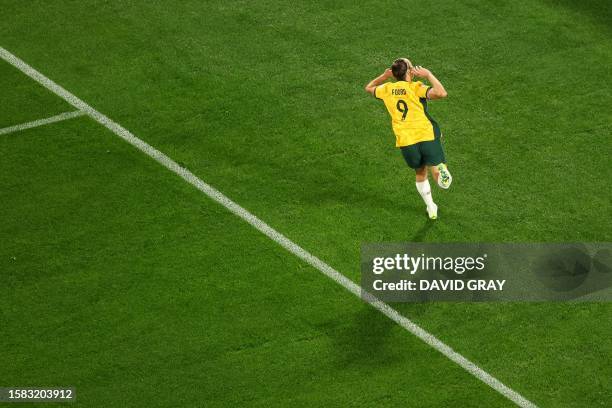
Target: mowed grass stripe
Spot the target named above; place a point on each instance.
(267, 230)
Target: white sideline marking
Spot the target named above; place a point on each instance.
(41, 122)
(260, 225)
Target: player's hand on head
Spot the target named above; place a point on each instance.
(420, 71)
(388, 73)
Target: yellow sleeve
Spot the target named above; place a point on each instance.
(421, 89)
(381, 91)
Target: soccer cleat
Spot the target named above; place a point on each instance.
(432, 212)
(444, 177)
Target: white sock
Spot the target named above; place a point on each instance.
(425, 191)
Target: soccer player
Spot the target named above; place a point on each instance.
(416, 133)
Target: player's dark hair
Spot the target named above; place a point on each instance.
(399, 69)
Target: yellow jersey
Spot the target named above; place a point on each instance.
(406, 103)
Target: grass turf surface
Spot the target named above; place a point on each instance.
(123, 280)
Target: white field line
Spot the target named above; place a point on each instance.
(41, 122)
(264, 228)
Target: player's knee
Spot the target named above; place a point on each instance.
(421, 173)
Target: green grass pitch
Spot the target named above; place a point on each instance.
(125, 282)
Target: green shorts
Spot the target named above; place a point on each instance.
(429, 153)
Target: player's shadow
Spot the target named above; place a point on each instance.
(369, 340)
(363, 341)
(421, 234)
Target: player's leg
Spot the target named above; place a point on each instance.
(433, 156)
(424, 189)
(414, 158)
(421, 174)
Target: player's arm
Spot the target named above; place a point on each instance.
(371, 86)
(437, 90)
